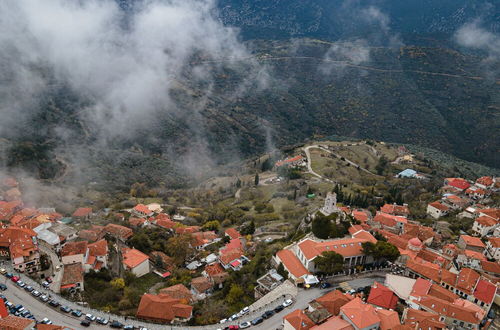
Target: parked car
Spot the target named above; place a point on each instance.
(233, 317)
(85, 323)
(76, 313)
(9, 275)
(257, 321)
(233, 327)
(245, 310)
(267, 314)
(325, 285)
(129, 327)
(25, 313)
(36, 293)
(45, 284)
(46, 321)
(287, 303)
(3, 287)
(116, 325)
(245, 325)
(54, 303)
(4, 298)
(65, 309)
(15, 278)
(21, 284)
(222, 321)
(44, 298)
(102, 321)
(3, 271)
(279, 308)
(28, 288)
(48, 279)
(90, 317)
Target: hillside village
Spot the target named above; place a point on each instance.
(180, 265)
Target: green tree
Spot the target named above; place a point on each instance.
(211, 225)
(256, 179)
(329, 262)
(248, 229)
(381, 165)
(321, 226)
(381, 251)
(179, 248)
(235, 294)
(282, 271)
(118, 283)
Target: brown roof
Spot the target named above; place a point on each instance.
(453, 310)
(422, 319)
(442, 293)
(439, 206)
(73, 273)
(73, 248)
(201, 284)
(11, 322)
(178, 291)
(136, 221)
(490, 267)
(347, 247)
(232, 233)
(395, 209)
(333, 300)
(494, 241)
(467, 279)
(118, 231)
(99, 248)
(82, 212)
(360, 314)
(162, 308)
(473, 241)
(299, 320)
(486, 221)
(448, 277)
(168, 262)
(216, 273)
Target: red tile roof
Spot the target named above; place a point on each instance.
(288, 160)
(347, 247)
(361, 216)
(73, 273)
(389, 220)
(292, 263)
(382, 296)
(490, 267)
(486, 221)
(73, 248)
(141, 208)
(425, 268)
(11, 322)
(467, 279)
(133, 258)
(395, 209)
(448, 277)
(178, 291)
(99, 248)
(166, 223)
(493, 213)
(299, 320)
(18, 240)
(162, 308)
(474, 255)
(136, 222)
(485, 181)
(472, 241)
(421, 287)
(494, 241)
(232, 233)
(458, 183)
(118, 231)
(438, 205)
(360, 314)
(485, 291)
(336, 323)
(453, 310)
(333, 300)
(201, 284)
(419, 319)
(82, 212)
(442, 293)
(388, 319)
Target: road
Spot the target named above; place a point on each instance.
(39, 309)
(309, 164)
(57, 268)
(305, 296)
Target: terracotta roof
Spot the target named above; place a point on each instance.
(493, 213)
(491, 267)
(458, 183)
(299, 320)
(73, 273)
(421, 287)
(201, 284)
(133, 258)
(438, 205)
(178, 291)
(99, 248)
(82, 212)
(422, 232)
(398, 241)
(166, 223)
(292, 263)
(11, 322)
(448, 277)
(18, 240)
(214, 270)
(360, 314)
(187, 229)
(168, 262)
(136, 222)
(395, 209)
(333, 300)
(288, 160)
(467, 279)
(472, 241)
(141, 208)
(453, 310)
(119, 231)
(347, 247)
(354, 229)
(232, 233)
(486, 221)
(389, 220)
(494, 241)
(360, 215)
(203, 237)
(485, 181)
(474, 255)
(162, 308)
(442, 293)
(388, 319)
(382, 296)
(425, 268)
(73, 248)
(485, 291)
(88, 235)
(336, 323)
(423, 320)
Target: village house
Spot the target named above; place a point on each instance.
(201, 287)
(178, 291)
(97, 256)
(92, 234)
(216, 274)
(394, 209)
(393, 223)
(484, 225)
(297, 320)
(82, 213)
(75, 252)
(291, 162)
(360, 315)
(20, 245)
(11, 322)
(457, 184)
(476, 193)
(141, 210)
(8, 209)
(232, 233)
(163, 309)
(493, 248)
(135, 261)
(232, 255)
(467, 242)
(485, 182)
(437, 209)
(455, 202)
(332, 302)
(202, 239)
(72, 278)
(120, 232)
(138, 222)
(382, 296)
(419, 319)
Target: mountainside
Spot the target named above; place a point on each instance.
(341, 19)
(433, 97)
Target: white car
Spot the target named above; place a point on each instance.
(245, 310)
(46, 321)
(287, 303)
(233, 317)
(223, 321)
(245, 325)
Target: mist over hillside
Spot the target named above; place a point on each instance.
(158, 91)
